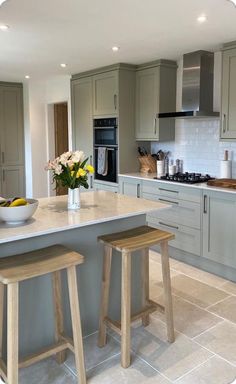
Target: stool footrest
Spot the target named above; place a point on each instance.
(45, 353)
(3, 370)
(152, 306)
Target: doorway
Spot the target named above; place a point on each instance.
(61, 136)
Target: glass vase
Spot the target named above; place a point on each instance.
(74, 198)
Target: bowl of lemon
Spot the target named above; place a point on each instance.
(17, 210)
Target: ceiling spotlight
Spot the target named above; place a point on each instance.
(115, 49)
(4, 27)
(63, 65)
(1, 2)
(202, 19)
(233, 2)
(27, 76)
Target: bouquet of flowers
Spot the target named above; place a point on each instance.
(70, 170)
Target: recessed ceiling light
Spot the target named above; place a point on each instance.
(202, 19)
(4, 27)
(233, 2)
(27, 76)
(63, 65)
(1, 2)
(115, 49)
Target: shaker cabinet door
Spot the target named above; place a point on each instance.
(105, 94)
(228, 110)
(219, 223)
(11, 126)
(147, 101)
(13, 181)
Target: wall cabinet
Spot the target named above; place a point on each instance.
(105, 94)
(81, 99)
(11, 140)
(228, 110)
(219, 223)
(155, 93)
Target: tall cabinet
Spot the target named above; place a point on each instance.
(11, 140)
(106, 92)
(228, 110)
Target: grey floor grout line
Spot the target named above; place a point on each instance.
(218, 302)
(191, 370)
(207, 330)
(104, 361)
(150, 365)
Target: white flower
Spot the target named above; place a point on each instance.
(77, 156)
(58, 169)
(63, 159)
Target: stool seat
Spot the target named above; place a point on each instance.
(135, 238)
(37, 263)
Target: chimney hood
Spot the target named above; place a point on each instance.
(197, 87)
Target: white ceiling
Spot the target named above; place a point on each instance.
(45, 33)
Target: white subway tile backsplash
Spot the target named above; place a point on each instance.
(197, 143)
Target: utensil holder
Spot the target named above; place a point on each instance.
(160, 168)
(147, 164)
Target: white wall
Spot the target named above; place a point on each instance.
(197, 142)
(39, 95)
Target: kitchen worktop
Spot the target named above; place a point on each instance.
(53, 216)
(201, 186)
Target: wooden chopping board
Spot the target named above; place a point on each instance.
(222, 183)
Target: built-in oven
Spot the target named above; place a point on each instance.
(111, 168)
(105, 131)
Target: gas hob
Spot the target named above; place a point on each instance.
(186, 178)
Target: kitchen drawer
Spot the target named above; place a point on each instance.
(186, 239)
(170, 190)
(180, 211)
(105, 187)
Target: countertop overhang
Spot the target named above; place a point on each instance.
(53, 216)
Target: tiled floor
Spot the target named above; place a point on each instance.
(204, 351)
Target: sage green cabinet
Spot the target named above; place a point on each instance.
(228, 110)
(11, 140)
(130, 187)
(12, 181)
(219, 223)
(155, 93)
(82, 123)
(97, 186)
(105, 93)
(11, 125)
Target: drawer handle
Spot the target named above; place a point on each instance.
(169, 201)
(168, 225)
(224, 122)
(168, 190)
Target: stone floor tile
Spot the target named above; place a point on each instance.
(188, 318)
(172, 360)
(230, 287)
(196, 292)
(225, 309)
(46, 372)
(221, 340)
(214, 371)
(93, 354)
(111, 372)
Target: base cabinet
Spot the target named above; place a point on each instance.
(12, 181)
(130, 187)
(219, 228)
(105, 187)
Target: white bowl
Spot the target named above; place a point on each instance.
(18, 215)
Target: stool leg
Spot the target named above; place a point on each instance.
(1, 315)
(167, 291)
(106, 275)
(76, 324)
(58, 313)
(125, 309)
(12, 332)
(145, 284)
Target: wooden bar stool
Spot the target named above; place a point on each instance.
(126, 242)
(18, 268)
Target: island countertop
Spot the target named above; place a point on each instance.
(53, 216)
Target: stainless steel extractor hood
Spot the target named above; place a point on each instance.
(197, 87)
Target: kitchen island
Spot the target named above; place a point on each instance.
(100, 213)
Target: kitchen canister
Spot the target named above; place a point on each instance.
(226, 167)
(160, 168)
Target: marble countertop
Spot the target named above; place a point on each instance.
(53, 216)
(201, 186)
